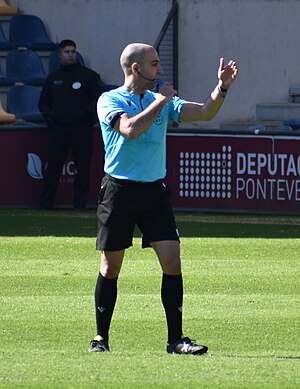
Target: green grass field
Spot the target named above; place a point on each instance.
(241, 278)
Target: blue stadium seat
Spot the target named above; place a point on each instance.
(29, 31)
(4, 80)
(22, 124)
(22, 100)
(25, 66)
(256, 129)
(293, 123)
(54, 60)
(260, 129)
(5, 44)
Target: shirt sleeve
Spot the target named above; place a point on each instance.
(108, 108)
(175, 107)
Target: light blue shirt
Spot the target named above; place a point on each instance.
(141, 159)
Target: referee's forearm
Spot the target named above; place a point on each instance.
(132, 127)
(193, 111)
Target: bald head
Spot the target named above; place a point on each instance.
(134, 52)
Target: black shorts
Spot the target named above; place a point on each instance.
(122, 204)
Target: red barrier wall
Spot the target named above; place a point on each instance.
(235, 173)
(230, 173)
(23, 158)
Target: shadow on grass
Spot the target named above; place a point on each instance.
(26, 222)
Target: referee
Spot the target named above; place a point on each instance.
(134, 122)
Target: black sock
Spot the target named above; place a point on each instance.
(172, 298)
(105, 300)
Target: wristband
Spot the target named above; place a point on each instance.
(222, 91)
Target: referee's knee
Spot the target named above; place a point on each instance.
(172, 267)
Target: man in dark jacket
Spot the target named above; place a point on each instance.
(68, 102)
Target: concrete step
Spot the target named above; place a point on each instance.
(277, 111)
(246, 124)
(262, 127)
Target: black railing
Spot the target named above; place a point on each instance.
(167, 46)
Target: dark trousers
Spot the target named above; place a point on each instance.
(80, 141)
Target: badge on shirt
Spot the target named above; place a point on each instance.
(158, 120)
(76, 85)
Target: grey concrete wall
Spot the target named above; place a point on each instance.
(261, 35)
(101, 28)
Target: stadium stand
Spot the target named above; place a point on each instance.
(5, 44)
(54, 60)
(293, 123)
(4, 80)
(25, 66)
(22, 100)
(29, 31)
(260, 129)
